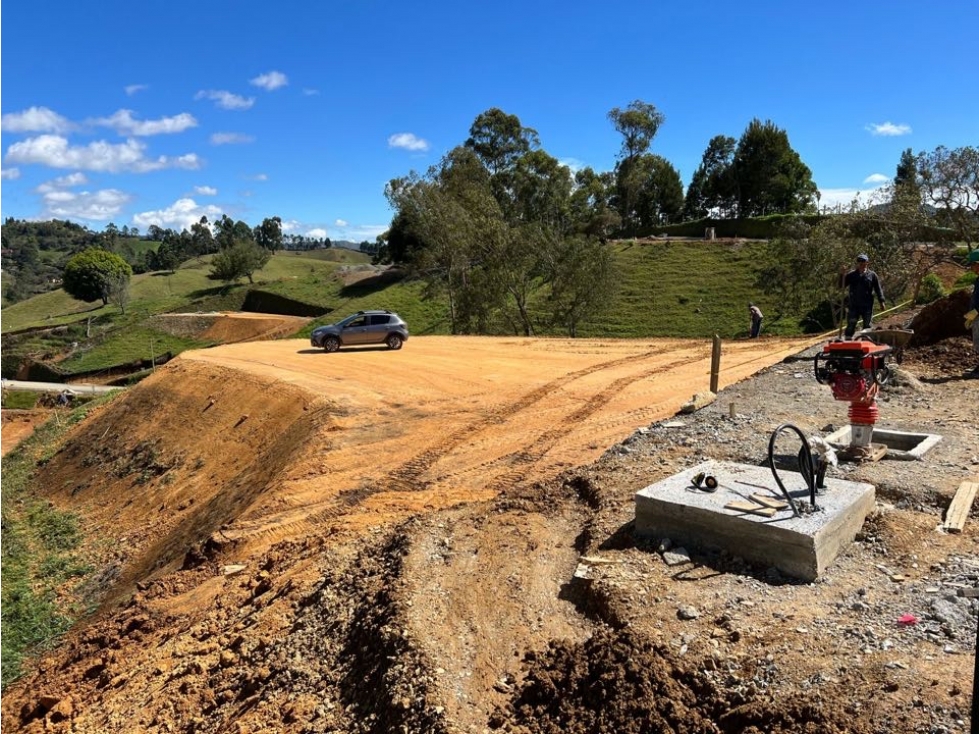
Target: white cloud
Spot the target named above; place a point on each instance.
(35, 120)
(842, 199)
(124, 123)
(134, 88)
(54, 151)
(888, 129)
(270, 81)
(259, 177)
(572, 163)
(226, 100)
(98, 206)
(341, 223)
(9, 174)
(361, 232)
(179, 216)
(63, 182)
(310, 92)
(317, 233)
(408, 141)
(290, 225)
(205, 190)
(230, 138)
(875, 178)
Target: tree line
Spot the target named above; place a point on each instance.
(36, 254)
(926, 215)
(511, 236)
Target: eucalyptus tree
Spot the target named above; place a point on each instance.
(591, 204)
(483, 225)
(582, 278)
(268, 234)
(770, 176)
(658, 191)
(499, 139)
(201, 238)
(638, 124)
(228, 232)
(446, 227)
(713, 190)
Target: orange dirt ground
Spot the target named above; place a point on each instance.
(370, 540)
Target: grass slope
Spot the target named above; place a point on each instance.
(686, 288)
(681, 288)
(42, 569)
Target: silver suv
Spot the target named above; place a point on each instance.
(363, 327)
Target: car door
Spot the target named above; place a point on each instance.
(355, 332)
(377, 331)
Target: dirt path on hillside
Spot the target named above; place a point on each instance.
(18, 425)
(375, 541)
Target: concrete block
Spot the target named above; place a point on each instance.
(900, 444)
(802, 547)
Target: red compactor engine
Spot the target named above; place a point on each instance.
(855, 370)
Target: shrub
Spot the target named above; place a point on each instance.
(931, 289)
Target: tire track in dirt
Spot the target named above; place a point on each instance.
(409, 476)
(469, 403)
(517, 465)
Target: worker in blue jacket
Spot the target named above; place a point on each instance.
(863, 284)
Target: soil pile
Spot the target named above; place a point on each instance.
(942, 319)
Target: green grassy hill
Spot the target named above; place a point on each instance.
(675, 288)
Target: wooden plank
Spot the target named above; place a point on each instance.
(768, 501)
(958, 511)
(754, 509)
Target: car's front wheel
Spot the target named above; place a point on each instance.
(394, 341)
(331, 344)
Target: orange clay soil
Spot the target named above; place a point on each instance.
(256, 512)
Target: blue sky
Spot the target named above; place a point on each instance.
(159, 112)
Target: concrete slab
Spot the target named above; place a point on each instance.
(900, 444)
(801, 547)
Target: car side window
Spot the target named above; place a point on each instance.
(360, 321)
(380, 319)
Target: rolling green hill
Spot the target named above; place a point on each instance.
(680, 288)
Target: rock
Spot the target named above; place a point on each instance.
(676, 556)
(62, 710)
(698, 401)
(687, 612)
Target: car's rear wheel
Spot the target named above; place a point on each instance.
(331, 344)
(394, 341)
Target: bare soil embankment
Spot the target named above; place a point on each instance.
(384, 541)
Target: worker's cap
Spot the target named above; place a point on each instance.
(973, 257)
(862, 258)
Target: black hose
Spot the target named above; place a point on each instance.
(805, 455)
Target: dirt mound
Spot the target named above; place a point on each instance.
(619, 682)
(942, 319)
(228, 328)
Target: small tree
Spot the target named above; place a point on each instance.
(240, 260)
(89, 275)
(119, 290)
